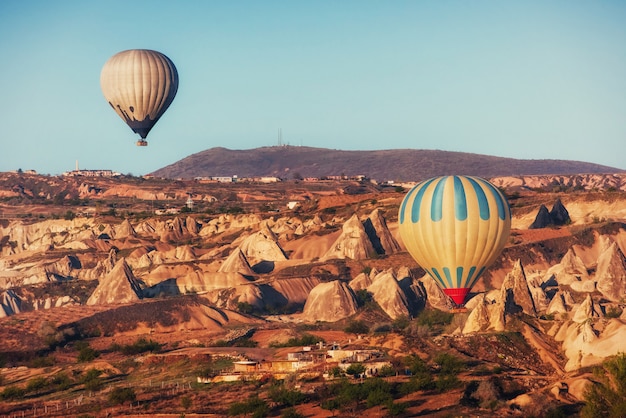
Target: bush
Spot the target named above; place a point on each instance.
(363, 297)
(253, 405)
(61, 380)
(418, 382)
(613, 312)
(355, 369)
(434, 318)
(415, 364)
(36, 383)
(304, 340)
(140, 346)
(449, 364)
(185, 402)
(607, 397)
(12, 392)
(395, 409)
(291, 413)
(386, 371)
(85, 352)
(119, 395)
(92, 380)
(447, 382)
(400, 324)
(357, 327)
(378, 396)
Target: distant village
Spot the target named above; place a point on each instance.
(205, 179)
(319, 359)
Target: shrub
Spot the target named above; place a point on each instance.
(92, 380)
(291, 413)
(305, 339)
(449, 364)
(85, 352)
(613, 312)
(434, 317)
(185, 402)
(253, 405)
(423, 381)
(12, 392)
(286, 397)
(36, 383)
(357, 327)
(61, 380)
(401, 323)
(395, 409)
(386, 371)
(330, 404)
(607, 397)
(363, 297)
(119, 395)
(378, 397)
(355, 369)
(415, 364)
(141, 346)
(446, 382)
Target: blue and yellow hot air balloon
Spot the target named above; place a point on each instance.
(455, 227)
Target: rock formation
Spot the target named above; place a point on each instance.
(262, 246)
(515, 292)
(125, 229)
(118, 286)
(542, 219)
(379, 235)
(558, 216)
(586, 310)
(237, 263)
(434, 295)
(570, 269)
(353, 243)
(388, 294)
(361, 281)
(10, 303)
(330, 302)
(611, 274)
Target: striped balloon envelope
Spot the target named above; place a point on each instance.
(454, 227)
(139, 84)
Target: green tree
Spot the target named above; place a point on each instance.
(449, 364)
(92, 380)
(355, 369)
(607, 396)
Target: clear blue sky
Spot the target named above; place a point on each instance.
(522, 79)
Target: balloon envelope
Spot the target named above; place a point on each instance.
(454, 227)
(140, 85)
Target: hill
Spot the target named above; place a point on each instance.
(397, 164)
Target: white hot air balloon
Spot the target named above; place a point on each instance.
(139, 84)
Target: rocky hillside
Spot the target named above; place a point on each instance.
(399, 165)
(550, 306)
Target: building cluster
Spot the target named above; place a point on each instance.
(236, 179)
(91, 173)
(270, 179)
(309, 359)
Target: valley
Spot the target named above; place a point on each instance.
(145, 296)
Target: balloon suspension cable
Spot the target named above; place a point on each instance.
(142, 143)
